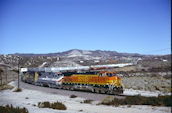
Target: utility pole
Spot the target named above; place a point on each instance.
(18, 72)
(1, 75)
(6, 74)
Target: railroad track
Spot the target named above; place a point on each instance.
(82, 94)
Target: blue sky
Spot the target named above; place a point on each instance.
(47, 26)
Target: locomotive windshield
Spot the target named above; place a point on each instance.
(111, 74)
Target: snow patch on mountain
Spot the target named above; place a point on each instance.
(75, 53)
(86, 52)
(79, 53)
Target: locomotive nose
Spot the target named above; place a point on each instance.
(117, 81)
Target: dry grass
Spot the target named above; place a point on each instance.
(11, 109)
(139, 100)
(87, 101)
(73, 96)
(5, 87)
(17, 90)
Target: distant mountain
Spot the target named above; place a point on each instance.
(77, 52)
(76, 57)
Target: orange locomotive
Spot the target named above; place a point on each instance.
(103, 82)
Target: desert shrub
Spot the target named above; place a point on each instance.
(17, 90)
(80, 110)
(33, 105)
(108, 99)
(27, 98)
(11, 109)
(55, 105)
(165, 100)
(73, 96)
(139, 100)
(167, 77)
(44, 104)
(58, 105)
(87, 101)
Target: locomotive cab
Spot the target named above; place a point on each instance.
(107, 74)
(111, 78)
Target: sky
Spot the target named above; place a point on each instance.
(49, 26)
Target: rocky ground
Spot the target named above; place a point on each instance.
(30, 99)
(7, 75)
(157, 83)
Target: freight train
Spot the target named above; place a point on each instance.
(88, 78)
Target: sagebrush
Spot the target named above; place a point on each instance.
(140, 100)
(55, 105)
(11, 109)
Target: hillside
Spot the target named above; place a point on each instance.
(76, 57)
